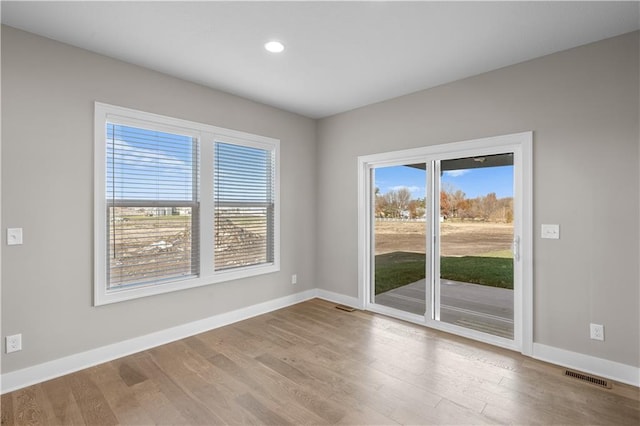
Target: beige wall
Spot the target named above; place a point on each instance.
(48, 93)
(582, 105)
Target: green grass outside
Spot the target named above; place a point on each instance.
(489, 271)
(396, 269)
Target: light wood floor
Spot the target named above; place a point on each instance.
(314, 364)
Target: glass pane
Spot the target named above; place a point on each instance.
(244, 195)
(400, 237)
(149, 244)
(242, 237)
(243, 174)
(476, 235)
(148, 165)
(151, 194)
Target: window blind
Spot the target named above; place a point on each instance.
(152, 206)
(244, 206)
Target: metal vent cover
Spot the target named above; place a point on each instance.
(588, 378)
(345, 308)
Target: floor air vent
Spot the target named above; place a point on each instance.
(345, 308)
(588, 378)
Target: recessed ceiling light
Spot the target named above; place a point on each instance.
(274, 46)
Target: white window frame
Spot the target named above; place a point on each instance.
(207, 135)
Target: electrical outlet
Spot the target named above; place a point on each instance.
(294, 279)
(14, 343)
(597, 331)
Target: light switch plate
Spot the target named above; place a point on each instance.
(14, 236)
(551, 231)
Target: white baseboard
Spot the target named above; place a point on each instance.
(589, 364)
(338, 298)
(49, 370)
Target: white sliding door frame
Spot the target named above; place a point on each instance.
(520, 144)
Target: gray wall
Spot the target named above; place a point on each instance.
(48, 90)
(582, 105)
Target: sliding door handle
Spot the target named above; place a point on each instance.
(516, 248)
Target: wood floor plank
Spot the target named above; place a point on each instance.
(570, 399)
(260, 411)
(157, 405)
(117, 390)
(285, 369)
(445, 413)
(200, 346)
(182, 386)
(318, 335)
(232, 335)
(6, 407)
(381, 392)
(443, 385)
(31, 407)
(130, 375)
(65, 408)
(311, 363)
(366, 416)
(343, 390)
(94, 407)
(217, 391)
(274, 388)
(305, 394)
(291, 382)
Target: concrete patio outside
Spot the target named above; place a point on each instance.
(478, 307)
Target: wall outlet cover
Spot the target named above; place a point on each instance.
(596, 331)
(13, 343)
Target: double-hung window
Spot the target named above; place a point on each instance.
(180, 204)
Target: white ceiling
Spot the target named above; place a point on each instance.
(339, 55)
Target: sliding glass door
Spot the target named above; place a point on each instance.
(443, 236)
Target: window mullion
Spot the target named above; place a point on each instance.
(206, 205)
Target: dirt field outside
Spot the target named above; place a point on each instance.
(144, 246)
(457, 238)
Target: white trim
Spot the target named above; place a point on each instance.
(338, 298)
(126, 115)
(69, 364)
(518, 143)
(613, 370)
(526, 242)
(482, 146)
